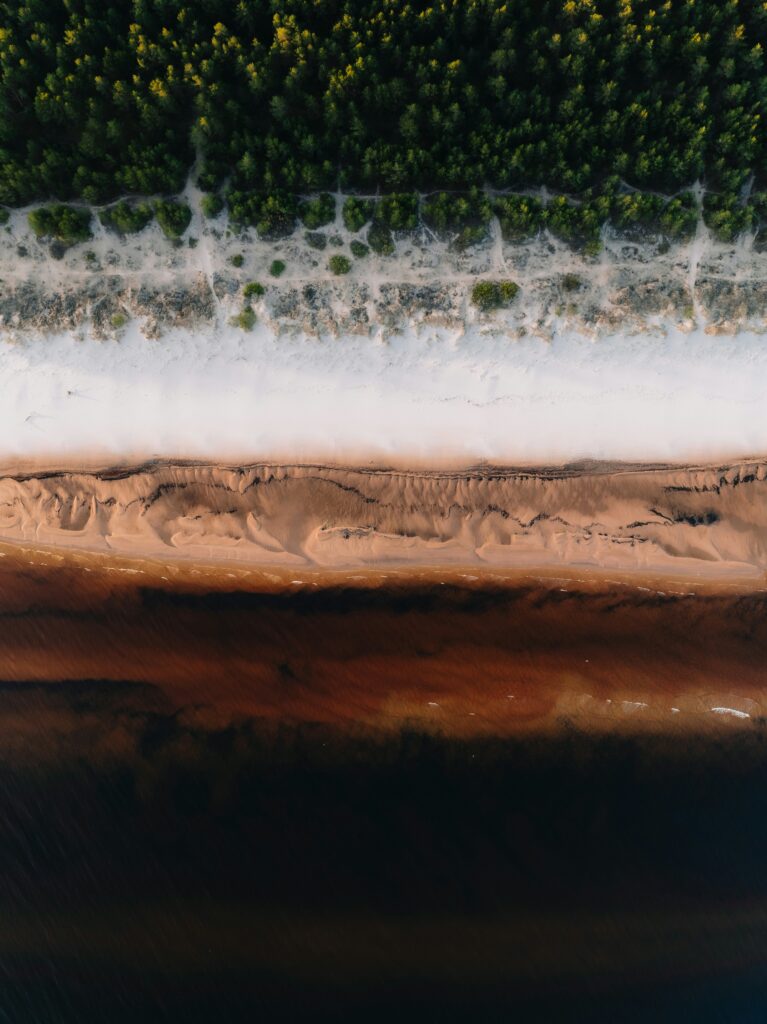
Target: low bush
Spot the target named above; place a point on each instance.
(359, 249)
(66, 224)
(254, 289)
(246, 319)
(488, 295)
(571, 282)
(520, 217)
(316, 240)
(277, 268)
(356, 213)
(339, 264)
(380, 239)
(398, 211)
(212, 204)
(466, 217)
(237, 260)
(316, 213)
(727, 217)
(579, 225)
(273, 215)
(173, 217)
(126, 218)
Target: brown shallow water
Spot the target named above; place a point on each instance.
(437, 793)
(445, 651)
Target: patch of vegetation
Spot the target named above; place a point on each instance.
(578, 224)
(641, 211)
(273, 214)
(727, 217)
(359, 249)
(679, 219)
(253, 290)
(316, 239)
(4, 216)
(237, 260)
(66, 224)
(571, 283)
(277, 268)
(380, 239)
(246, 319)
(126, 218)
(316, 213)
(339, 264)
(489, 295)
(173, 217)
(356, 213)
(398, 211)
(520, 217)
(118, 320)
(212, 204)
(463, 218)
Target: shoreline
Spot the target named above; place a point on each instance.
(444, 653)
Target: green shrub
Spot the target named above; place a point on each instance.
(4, 216)
(118, 320)
(356, 213)
(211, 204)
(726, 217)
(488, 295)
(316, 239)
(520, 217)
(466, 217)
(679, 219)
(316, 213)
(246, 319)
(273, 215)
(380, 239)
(126, 218)
(359, 249)
(571, 282)
(398, 211)
(253, 289)
(577, 224)
(339, 264)
(65, 224)
(173, 217)
(641, 211)
(237, 260)
(277, 267)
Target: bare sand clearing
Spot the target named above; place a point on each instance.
(707, 523)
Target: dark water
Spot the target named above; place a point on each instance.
(168, 860)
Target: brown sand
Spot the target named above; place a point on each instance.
(702, 522)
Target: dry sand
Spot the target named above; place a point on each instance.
(707, 523)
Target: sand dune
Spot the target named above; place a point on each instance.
(706, 521)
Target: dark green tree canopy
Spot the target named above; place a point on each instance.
(102, 98)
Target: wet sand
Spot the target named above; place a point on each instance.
(446, 651)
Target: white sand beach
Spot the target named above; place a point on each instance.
(424, 397)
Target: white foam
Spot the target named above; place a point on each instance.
(731, 711)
